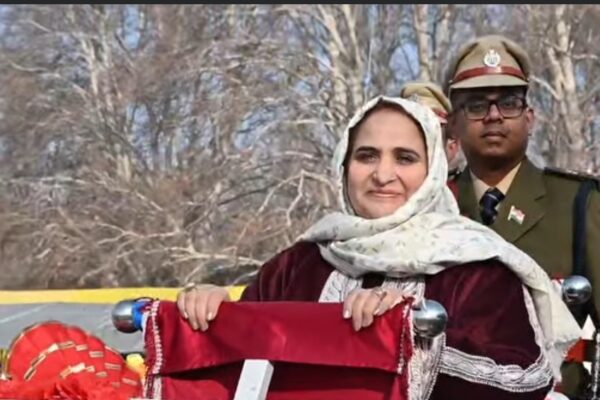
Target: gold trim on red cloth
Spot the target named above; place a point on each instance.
(43, 355)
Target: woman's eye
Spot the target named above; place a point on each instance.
(406, 159)
(366, 157)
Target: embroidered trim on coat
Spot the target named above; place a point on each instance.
(486, 371)
(511, 378)
(425, 366)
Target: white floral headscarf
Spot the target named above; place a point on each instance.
(427, 235)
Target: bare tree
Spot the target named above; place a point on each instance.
(157, 144)
(566, 78)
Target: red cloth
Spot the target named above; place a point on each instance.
(75, 387)
(579, 351)
(317, 354)
(52, 360)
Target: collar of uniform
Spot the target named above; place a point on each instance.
(480, 186)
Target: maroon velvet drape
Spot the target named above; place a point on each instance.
(316, 353)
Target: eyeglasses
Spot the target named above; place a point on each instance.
(509, 107)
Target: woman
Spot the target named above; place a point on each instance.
(399, 234)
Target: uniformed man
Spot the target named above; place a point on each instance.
(430, 94)
(500, 187)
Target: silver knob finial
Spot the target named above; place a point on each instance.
(576, 290)
(430, 319)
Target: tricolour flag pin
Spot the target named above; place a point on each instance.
(516, 215)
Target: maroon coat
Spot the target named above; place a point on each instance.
(484, 300)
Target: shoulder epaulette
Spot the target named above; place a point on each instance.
(572, 174)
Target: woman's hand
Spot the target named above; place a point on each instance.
(199, 304)
(364, 304)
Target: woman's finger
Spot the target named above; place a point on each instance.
(349, 303)
(373, 302)
(181, 298)
(189, 305)
(357, 309)
(392, 298)
(181, 304)
(215, 298)
(200, 308)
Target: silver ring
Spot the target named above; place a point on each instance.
(380, 292)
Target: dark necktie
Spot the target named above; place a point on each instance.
(488, 204)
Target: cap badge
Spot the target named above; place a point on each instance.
(491, 58)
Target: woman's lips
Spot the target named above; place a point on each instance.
(384, 193)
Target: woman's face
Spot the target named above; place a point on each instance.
(387, 163)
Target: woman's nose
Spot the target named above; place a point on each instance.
(384, 173)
